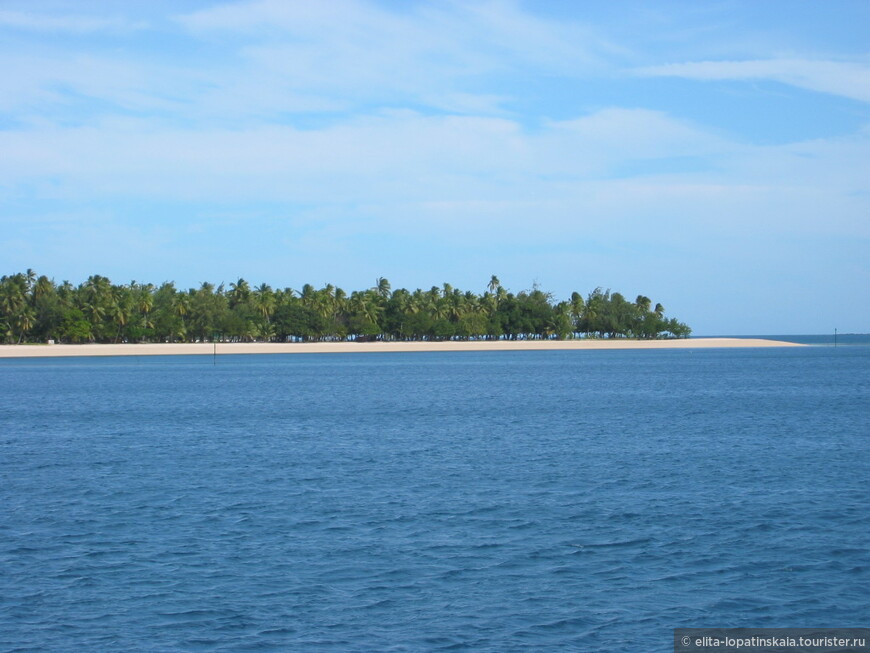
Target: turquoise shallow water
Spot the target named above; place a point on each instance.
(826, 340)
(503, 501)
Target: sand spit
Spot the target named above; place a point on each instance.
(28, 351)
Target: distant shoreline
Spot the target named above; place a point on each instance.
(223, 348)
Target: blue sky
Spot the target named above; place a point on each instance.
(714, 156)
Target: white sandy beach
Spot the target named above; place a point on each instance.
(25, 351)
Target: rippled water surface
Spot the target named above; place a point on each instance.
(502, 501)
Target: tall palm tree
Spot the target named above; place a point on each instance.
(239, 292)
(264, 301)
(182, 309)
(264, 304)
(383, 287)
(43, 287)
(643, 303)
(144, 298)
(308, 295)
(120, 308)
(25, 320)
(95, 299)
(30, 279)
(13, 295)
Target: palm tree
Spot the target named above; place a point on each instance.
(95, 299)
(43, 287)
(365, 308)
(25, 320)
(120, 308)
(145, 302)
(308, 295)
(264, 306)
(383, 287)
(643, 303)
(264, 301)
(30, 279)
(13, 296)
(206, 306)
(66, 291)
(576, 308)
(239, 292)
(182, 305)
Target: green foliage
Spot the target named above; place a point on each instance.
(36, 309)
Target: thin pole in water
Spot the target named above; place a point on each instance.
(835, 337)
(214, 356)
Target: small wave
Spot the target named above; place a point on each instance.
(610, 545)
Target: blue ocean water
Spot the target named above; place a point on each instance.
(498, 501)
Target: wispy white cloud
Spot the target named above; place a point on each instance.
(844, 78)
(424, 155)
(571, 175)
(460, 33)
(278, 59)
(430, 55)
(620, 135)
(35, 84)
(60, 23)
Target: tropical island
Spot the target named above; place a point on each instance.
(35, 309)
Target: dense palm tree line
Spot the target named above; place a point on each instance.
(36, 309)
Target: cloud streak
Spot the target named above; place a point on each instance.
(435, 56)
(63, 23)
(843, 78)
(576, 174)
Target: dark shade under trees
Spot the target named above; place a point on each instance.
(36, 309)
